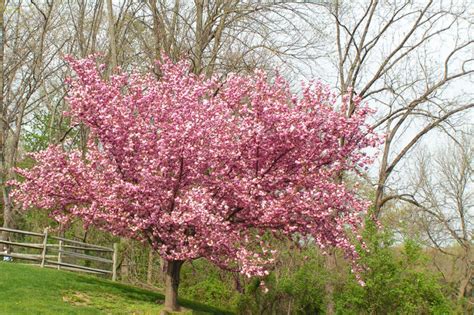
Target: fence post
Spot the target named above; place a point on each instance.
(45, 247)
(114, 262)
(60, 254)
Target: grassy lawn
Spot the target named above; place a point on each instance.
(31, 290)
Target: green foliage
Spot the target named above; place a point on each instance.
(37, 135)
(296, 286)
(211, 291)
(397, 281)
(201, 281)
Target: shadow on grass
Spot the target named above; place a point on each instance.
(145, 295)
(123, 289)
(35, 280)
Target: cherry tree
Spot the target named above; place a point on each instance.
(200, 168)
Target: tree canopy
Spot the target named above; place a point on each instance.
(203, 168)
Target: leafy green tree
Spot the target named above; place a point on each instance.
(204, 282)
(43, 130)
(295, 286)
(397, 280)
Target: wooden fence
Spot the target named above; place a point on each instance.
(54, 251)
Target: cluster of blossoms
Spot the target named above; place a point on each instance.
(201, 168)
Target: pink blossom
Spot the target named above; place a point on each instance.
(200, 168)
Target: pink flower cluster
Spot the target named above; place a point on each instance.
(201, 168)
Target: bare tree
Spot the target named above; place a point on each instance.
(27, 64)
(405, 58)
(444, 192)
(223, 36)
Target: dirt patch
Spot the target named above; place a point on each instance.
(77, 298)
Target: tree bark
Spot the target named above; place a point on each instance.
(465, 286)
(329, 286)
(149, 273)
(199, 36)
(7, 213)
(112, 35)
(125, 265)
(171, 271)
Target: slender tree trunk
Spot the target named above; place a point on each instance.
(149, 273)
(465, 285)
(329, 286)
(112, 39)
(125, 265)
(199, 36)
(7, 211)
(237, 284)
(171, 272)
(158, 31)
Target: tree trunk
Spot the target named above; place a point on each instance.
(465, 285)
(329, 286)
(7, 213)
(149, 272)
(125, 265)
(112, 36)
(199, 36)
(171, 272)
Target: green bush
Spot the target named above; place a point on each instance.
(397, 281)
(201, 281)
(296, 286)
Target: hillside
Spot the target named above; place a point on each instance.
(31, 290)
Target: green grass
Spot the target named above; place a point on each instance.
(31, 290)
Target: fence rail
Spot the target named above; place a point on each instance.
(64, 248)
